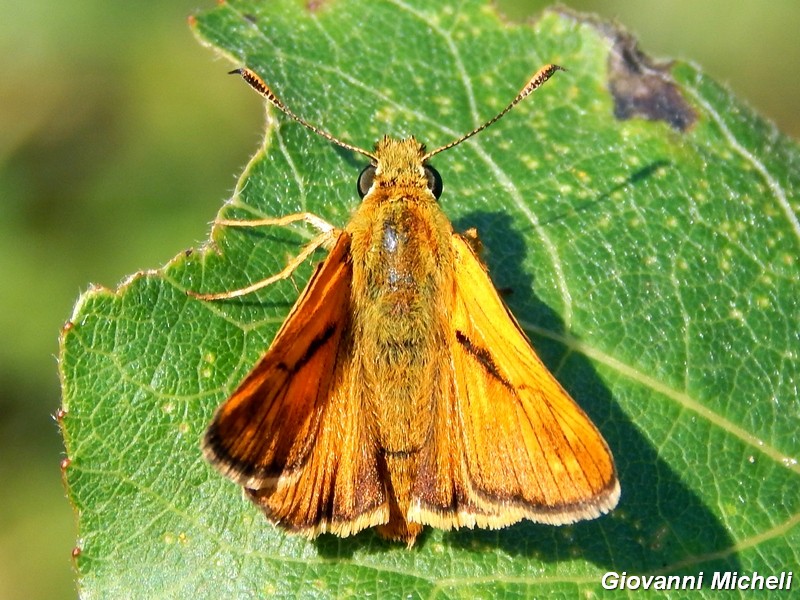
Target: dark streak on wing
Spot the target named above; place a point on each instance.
(484, 358)
(315, 345)
(244, 467)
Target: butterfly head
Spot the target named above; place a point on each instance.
(399, 164)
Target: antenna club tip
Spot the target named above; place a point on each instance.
(236, 71)
(548, 71)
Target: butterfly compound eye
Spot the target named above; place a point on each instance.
(434, 181)
(365, 180)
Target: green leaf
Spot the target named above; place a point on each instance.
(645, 221)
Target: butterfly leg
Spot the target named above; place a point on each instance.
(325, 238)
(316, 222)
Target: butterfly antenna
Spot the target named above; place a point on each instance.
(262, 88)
(535, 82)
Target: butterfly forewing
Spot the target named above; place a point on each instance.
(291, 434)
(519, 447)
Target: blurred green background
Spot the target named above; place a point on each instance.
(120, 136)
